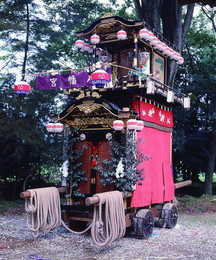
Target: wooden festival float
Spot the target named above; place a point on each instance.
(120, 115)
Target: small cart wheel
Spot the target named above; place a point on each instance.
(169, 215)
(144, 223)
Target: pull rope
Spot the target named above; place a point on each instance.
(44, 214)
(109, 219)
(43, 210)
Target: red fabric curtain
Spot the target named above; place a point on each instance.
(157, 185)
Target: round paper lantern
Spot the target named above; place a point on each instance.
(159, 45)
(176, 56)
(172, 52)
(95, 39)
(121, 35)
(143, 33)
(50, 128)
(22, 88)
(79, 43)
(180, 61)
(140, 125)
(86, 46)
(118, 125)
(99, 77)
(132, 124)
(154, 41)
(59, 127)
(150, 36)
(167, 51)
(163, 47)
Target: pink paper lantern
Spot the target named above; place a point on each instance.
(143, 33)
(132, 124)
(154, 41)
(121, 35)
(50, 127)
(180, 61)
(59, 127)
(86, 46)
(22, 88)
(118, 125)
(95, 39)
(79, 43)
(140, 125)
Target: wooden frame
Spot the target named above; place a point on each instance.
(158, 67)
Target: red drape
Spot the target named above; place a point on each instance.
(157, 185)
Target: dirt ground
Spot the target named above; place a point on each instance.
(194, 237)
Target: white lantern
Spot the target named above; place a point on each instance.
(143, 33)
(95, 39)
(154, 41)
(180, 61)
(150, 36)
(163, 47)
(59, 127)
(140, 125)
(50, 127)
(86, 47)
(167, 51)
(79, 43)
(170, 96)
(186, 102)
(118, 125)
(176, 56)
(132, 124)
(150, 88)
(121, 35)
(159, 45)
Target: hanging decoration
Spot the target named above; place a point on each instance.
(121, 35)
(140, 125)
(118, 125)
(54, 127)
(22, 88)
(170, 96)
(79, 43)
(132, 124)
(187, 101)
(99, 77)
(95, 39)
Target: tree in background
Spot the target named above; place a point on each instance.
(197, 77)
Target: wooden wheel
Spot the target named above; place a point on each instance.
(143, 223)
(169, 215)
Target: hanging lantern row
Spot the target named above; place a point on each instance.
(54, 127)
(132, 124)
(22, 88)
(154, 41)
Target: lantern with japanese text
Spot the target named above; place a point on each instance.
(22, 88)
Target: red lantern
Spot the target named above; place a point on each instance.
(79, 43)
(140, 125)
(22, 88)
(132, 124)
(118, 125)
(99, 77)
(121, 35)
(95, 39)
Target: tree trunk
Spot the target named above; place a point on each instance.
(211, 162)
(26, 42)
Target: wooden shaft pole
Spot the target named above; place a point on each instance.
(95, 200)
(26, 194)
(182, 184)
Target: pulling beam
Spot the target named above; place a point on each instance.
(26, 194)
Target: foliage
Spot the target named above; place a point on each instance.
(193, 127)
(126, 152)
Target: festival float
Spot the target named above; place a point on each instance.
(117, 128)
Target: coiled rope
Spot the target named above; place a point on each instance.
(44, 214)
